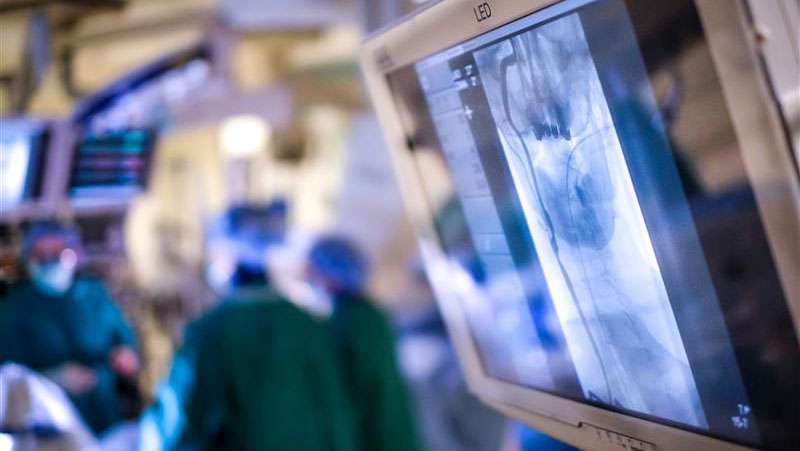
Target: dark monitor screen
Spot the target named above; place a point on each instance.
(112, 165)
(609, 245)
(23, 145)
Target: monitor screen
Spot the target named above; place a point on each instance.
(22, 154)
(111, 165)
(607, 246)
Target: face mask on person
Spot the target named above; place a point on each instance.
(319, 293)
(219, 275)
(53, 278)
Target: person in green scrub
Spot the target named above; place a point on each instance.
(366, 348)
(67, 327)
(264, 372)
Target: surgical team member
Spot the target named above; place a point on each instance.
(162, 423)
(366, 349)
(67, 327)
(265, 375)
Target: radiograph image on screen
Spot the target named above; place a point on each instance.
(587, 226)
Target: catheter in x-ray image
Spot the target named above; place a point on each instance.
(586, 223)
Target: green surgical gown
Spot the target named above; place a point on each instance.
(83, 326)
(365, 342)
(265, 379)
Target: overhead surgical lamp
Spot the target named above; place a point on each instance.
(242, 137)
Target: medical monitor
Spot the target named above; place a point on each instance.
(118, 128)
(607, 205)
(112, 165)
(23, 144)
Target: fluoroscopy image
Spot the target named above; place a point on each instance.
(587, 226)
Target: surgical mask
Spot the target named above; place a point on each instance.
(52, 278)
(319, 293)
(312, 296)
(219, 275)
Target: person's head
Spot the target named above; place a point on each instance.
(237, 240)
(50, 251)
(336, 265)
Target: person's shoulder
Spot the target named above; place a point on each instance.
(361, 312)
(198, 328)
(16, 293)
(209, 317)
(89, 280)
(297, 314)
(270, 304)
(360, 305)
(88, 284)
(92, 292)
(15, 288)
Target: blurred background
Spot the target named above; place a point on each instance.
(239, 100)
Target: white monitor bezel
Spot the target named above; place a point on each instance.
(34, 207)
(766, 151)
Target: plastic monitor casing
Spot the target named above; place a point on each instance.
(43, 203)
(765, 136)
(53, 199)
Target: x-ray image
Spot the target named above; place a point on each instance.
(586, 223)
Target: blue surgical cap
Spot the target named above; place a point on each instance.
(250, 228)
(339, 261)
(41, 229)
